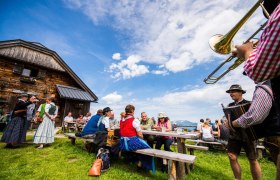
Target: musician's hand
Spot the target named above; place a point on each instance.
(235, 124)
(243, 51)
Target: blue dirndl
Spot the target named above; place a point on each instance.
(134, 143)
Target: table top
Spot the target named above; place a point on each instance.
(185, 135)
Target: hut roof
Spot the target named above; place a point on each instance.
(37, 54)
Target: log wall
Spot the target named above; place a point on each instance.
(11, 86)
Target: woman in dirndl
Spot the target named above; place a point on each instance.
(45, 132)
(132, 139)
(15, 132)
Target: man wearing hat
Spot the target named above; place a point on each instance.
(104, 121)
(264, 116)
(239, 139)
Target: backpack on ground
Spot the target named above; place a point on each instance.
(104, 154)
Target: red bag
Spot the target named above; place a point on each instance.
(96, 168)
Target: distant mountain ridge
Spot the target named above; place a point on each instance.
(184, 123)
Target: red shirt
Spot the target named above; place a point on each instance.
(126, 127)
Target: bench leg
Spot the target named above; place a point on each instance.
(260, 153)
(73, 140)
(180, 169)
(171, 170)
(191, 150)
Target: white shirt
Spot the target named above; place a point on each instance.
(198, 127)
(68, 119)
(206, 132)
(104, 120)
(135, 124)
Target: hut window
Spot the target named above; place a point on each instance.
(17, 69)
(26, 72)
(30, 72)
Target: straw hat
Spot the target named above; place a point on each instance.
(162, 115)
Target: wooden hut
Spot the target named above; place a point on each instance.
(28, 67)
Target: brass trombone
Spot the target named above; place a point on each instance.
(223, 44)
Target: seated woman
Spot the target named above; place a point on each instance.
(80, 122)
(132, 138)
(207, 133)
(163, 124)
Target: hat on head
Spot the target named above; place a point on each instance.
(236, 87)
(162, 115)
(107, 109)
(23, 95)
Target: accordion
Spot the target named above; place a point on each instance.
(269, 127)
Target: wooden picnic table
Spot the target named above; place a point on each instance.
(180, 144)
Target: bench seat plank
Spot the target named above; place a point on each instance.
(72, 136)
(189, 159)
(204, 142)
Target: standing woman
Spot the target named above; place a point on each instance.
(45, 132)
(15, 132)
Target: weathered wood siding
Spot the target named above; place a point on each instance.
(33, 57)
(11, 87)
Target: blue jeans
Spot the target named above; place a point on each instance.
(163, 140)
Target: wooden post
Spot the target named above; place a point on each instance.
(191, 153)
(73, 140)
(171, 170)
(181, 165)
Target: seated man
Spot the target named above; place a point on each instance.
(68, 119)
(91, 127)
(147, 124)
(104, 121)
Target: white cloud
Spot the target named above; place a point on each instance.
(128, 68)
(191, 103)
(116, 56)
(112, 98)
(171, 33)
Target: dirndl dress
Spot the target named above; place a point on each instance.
(134, 143)
(15, 131)
(45, 132)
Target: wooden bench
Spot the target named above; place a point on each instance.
(191, 149)
(73, 138)
(173, 158)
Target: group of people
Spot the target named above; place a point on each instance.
(130, 129)
(21, 117)
(211, 132)
(80, 121)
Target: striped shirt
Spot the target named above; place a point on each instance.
(259, 109)
(264, 62)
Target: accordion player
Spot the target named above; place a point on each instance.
(255, 132)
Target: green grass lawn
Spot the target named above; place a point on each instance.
(62, 160)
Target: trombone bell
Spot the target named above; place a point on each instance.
(217, 45)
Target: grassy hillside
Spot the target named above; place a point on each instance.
(62, 160)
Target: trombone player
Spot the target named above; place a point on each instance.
(263, 62)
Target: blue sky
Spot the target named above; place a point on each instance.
(150, 53)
